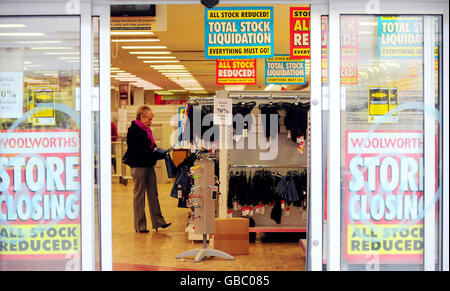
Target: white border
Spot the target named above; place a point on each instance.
(334, 142)
(86, 133)
(315, 204)
(429, 221)
(445, 139)
(105, 186)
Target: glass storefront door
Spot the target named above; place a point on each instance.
(46, 153)
(386, 107)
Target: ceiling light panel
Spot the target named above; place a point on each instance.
(131, 33)
(39, 42)
(22, 34)
(150, 53)
(156, 67)
(156, 57)
(6, 25)
(52, 48)
(144, 47)
(61, 53)
(136, 40)
(173, 71)
(161, 61)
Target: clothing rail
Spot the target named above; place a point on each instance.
(200, 99)
(270, 95)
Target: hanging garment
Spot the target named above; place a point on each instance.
(266, 111)
(183, 182)
(244, 109)
(276, 212)
(300, 181)
(296, 119)
(237, 188)
(196, 125)
(170, 165)
(286, 188)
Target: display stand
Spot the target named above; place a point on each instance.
(203, 198)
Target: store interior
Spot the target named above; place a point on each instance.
(139, 62)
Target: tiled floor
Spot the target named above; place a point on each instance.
(157, 250)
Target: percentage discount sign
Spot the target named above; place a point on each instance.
(7, 92)
(11, 88)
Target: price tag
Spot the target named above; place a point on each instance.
(262, 209)
(179, 192)
(223, 111)
(301, 144)
(215, 190)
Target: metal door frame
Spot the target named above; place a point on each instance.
(102, 10)
(336, 9)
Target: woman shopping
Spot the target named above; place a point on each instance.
(141, 156)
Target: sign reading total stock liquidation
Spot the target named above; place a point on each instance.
(239, 32)
(281, 69)
(39, 195)
(400, 37)
(384, 204)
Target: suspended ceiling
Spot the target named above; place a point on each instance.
(184, 38)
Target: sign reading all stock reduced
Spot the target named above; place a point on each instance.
(239, 32)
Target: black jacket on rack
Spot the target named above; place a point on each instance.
(296, 119)
(287, 190)
(266, 111)
(183, 181)
(252, 190)
(268, 187)
(243, 108)
(200, 112)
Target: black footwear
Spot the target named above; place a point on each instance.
(163, 226)
(143, 231)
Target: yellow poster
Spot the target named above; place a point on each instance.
(44, 97)
(382, 100)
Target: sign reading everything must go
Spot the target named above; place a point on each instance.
(239, 32)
